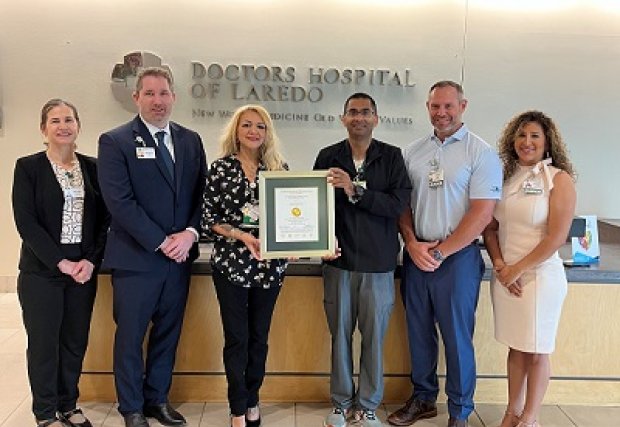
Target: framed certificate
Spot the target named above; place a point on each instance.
(296, 214)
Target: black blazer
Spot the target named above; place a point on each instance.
(37, 208)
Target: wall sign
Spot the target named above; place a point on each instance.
(291, 93)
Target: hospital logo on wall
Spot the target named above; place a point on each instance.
(124, 76)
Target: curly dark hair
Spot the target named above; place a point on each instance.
(555, 147)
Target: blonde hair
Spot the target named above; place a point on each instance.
(269, 154)
(554, 145)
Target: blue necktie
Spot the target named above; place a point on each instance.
(165, 154)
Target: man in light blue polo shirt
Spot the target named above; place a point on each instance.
(457, 179)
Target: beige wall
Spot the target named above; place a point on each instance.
(563, 60)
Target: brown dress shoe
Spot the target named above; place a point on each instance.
(413, 411)
(453, 422)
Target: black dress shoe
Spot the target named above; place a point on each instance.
(165, 414)
(135, 419)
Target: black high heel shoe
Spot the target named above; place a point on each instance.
(49, 422)
(252, 423)
(65, 418)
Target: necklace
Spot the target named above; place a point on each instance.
(68, 169)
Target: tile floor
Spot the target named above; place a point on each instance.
(15, 397)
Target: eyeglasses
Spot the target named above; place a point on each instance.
(365, 113)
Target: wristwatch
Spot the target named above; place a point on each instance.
(358, 192)
(437, 255)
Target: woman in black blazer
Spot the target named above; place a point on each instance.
(62, 220)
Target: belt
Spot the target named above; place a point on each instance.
(475, 241)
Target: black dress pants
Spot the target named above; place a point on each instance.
(56, 314)
(246, 318)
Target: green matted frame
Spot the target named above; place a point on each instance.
(268, 182)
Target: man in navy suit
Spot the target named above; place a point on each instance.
(152, 174)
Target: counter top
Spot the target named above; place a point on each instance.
(606, 271)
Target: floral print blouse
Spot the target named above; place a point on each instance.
(226, 193)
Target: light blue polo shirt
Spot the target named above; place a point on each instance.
(471, 170)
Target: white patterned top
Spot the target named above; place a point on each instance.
(72, 185)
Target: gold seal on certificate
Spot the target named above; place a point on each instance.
(297, 214)
(290, 224)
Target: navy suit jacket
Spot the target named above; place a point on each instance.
(38, 207)
(145, 203)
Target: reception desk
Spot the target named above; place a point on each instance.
(585, 366)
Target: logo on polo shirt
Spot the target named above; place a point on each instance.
(124, 76)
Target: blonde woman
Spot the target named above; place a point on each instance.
(529, 285)
(247, 286)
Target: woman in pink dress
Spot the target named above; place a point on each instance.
(529, 283)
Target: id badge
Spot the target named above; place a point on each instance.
(435, 178)
(530, 188)
(250, 215)
(74, 193)
(145, 152)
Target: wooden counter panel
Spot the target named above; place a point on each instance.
(588, 342)
(202, 340)
(299, 355)
(299, 339)
(101, 339)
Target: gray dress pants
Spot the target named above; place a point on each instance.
(365, 299)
